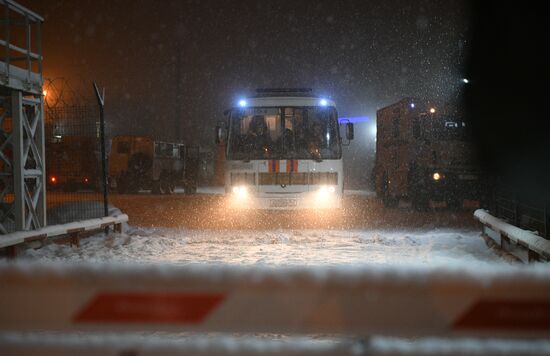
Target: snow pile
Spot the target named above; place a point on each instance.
(213, 344)
(466, 346)
(77, 211)
(164, 343)
(279, 247)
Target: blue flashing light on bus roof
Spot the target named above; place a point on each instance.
(353, 119)
(242, 103)
(323, 102)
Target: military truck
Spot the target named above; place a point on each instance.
(139, 162)
(72, 163)
(424, 155)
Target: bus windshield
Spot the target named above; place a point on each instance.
(284, 133)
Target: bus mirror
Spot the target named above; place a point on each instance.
(349, 131)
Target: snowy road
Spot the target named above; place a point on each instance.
(279, 247)
(199, 229)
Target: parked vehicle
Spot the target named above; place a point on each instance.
(139, 162)
(72, 163)
(424, 154)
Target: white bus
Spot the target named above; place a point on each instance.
(283, 151)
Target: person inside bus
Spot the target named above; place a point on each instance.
(301, 141)
(258, 139)
(315, 140)
(285, 142)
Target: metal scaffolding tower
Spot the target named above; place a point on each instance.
(22, 162)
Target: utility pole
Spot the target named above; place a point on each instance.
(179, 97)
(101, 103)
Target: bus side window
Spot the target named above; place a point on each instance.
(123, 147)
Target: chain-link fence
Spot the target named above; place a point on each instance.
(524, 211)
(73, 163)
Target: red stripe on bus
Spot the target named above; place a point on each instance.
(292, 165)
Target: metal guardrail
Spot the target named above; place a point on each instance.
(525, 245)
(72, 229)
(529, 213)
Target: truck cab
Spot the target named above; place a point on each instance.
(424, 154)
(139, 162)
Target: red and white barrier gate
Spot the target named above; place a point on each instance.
(382, 301)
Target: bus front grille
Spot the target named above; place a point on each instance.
(298, 178)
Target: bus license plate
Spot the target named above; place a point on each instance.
(282, 203)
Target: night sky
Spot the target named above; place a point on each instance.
(363, 54)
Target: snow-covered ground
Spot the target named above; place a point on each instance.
(279, 247)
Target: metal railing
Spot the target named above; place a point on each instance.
(21, 65)
(529, 213)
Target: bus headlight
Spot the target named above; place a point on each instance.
(240, 191)
(325, 196)
(326, 190)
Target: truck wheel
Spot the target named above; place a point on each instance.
(190, 189)
(171, 185)
(156, 188)
(166, 185)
